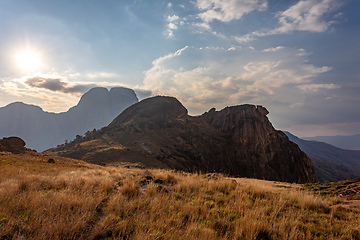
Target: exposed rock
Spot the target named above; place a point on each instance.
(12, 144)
(262, 110)
(51, 160)
(239, 141)
(154, 114)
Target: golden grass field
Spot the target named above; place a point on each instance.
(70, 199)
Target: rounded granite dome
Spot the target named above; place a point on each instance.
(159, 109)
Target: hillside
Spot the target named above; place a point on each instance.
(70, 199)
(330, 163)
(158, 132)
(42, 130)
(351, 142)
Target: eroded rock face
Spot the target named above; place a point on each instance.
(257, 149)
(239, 141)
(12, 144)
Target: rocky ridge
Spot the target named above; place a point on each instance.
(158, 132)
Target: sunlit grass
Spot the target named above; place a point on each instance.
(69, 199)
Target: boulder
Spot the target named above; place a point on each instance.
(12, 144)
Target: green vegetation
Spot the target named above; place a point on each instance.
(349, 189)
(70, 199)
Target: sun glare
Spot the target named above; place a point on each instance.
(28, 60)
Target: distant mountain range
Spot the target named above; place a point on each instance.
(331, 163)
(158, 132)
(42, 130)
(346, 142)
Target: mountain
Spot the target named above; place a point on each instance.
(42, 130)
(158, 132)
(330, 163)
(346, 142)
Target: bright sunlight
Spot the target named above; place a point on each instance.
(28, 60)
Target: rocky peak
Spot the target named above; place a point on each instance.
(20, 108)
(152, 113)
(94, 97)
(244, 122)
(262, 110)
(99, 98)
(121, 91)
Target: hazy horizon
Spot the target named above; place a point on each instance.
(299, 59)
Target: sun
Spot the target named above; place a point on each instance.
(28, 60)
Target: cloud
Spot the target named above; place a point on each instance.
(57, 85)
(172, 26)
(172, 18)
(317, 87)
(331, 110)
(273, 49)
(52, 92)
(330, 129)
(173, 21)
(306, 15)
(215, 77)
(16, 89)
(228, 10)
(102, 75)
(203, 25)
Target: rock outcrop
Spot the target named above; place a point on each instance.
(158, 132)
(257, 148)
(12, 144)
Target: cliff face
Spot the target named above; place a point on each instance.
(158, 132)
(262, 151)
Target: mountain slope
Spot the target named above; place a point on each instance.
(345, 142)
(42, 130)
(158, 132)
(331, 163)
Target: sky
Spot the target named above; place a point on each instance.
(299, 59)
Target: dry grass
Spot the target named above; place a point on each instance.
(74, 200)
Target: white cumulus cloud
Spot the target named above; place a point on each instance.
(306, 15)
(216, 77)
(228, 10)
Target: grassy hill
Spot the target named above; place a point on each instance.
(70, 199)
